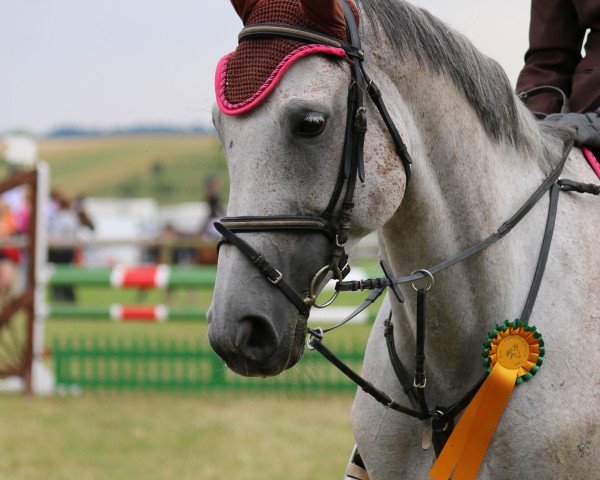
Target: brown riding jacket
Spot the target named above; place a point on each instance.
(556, 37)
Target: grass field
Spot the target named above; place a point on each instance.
(169, 168)
(269, 435)
(273, 434)
(129, 437)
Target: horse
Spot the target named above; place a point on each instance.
(477, 155)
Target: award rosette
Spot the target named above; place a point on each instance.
(515, 346)
(513, 352)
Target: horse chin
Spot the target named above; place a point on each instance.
(298, 342)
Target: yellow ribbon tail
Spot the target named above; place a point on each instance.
(469, 441)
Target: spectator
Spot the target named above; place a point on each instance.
(23, 219)
(10, 257)
(79, 208)
(212, 188)
(23, 213)
(63, 225)
(207, 254)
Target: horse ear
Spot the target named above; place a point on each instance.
(244, 8)
(327, 13)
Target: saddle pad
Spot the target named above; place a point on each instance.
(592, 160)
(245, 77)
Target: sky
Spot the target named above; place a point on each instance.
(115, 63)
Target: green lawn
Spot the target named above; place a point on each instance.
(271, 434)
(155, 437)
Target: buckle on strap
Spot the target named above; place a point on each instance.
(278, 279)
(346, 268)
(268, 270)
(420, 385)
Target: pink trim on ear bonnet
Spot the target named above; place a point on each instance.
(245, 77)
(270, 83)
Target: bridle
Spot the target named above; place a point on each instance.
(334, 222)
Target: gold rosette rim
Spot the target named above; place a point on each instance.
(514, 345)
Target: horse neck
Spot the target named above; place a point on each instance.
(464, 186)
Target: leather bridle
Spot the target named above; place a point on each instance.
(334, 222)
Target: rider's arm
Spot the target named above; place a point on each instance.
(555, 42)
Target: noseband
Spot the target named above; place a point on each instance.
(334, 222)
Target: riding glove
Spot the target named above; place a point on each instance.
(586, 124)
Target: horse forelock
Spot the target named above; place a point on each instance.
(436, 46)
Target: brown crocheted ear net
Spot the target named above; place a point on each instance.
(246, 76)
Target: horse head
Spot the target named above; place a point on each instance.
(294, 175)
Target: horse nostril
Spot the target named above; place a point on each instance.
(256, 339)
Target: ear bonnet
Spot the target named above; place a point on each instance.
(245, 77)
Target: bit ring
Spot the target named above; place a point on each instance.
(317, 332)
(312, 296)
(427, 274)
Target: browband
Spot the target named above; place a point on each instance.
(292, 32)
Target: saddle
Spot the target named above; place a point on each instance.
(586, 125)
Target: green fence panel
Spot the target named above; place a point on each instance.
(199, 277)
(70, 275)
(166, 366)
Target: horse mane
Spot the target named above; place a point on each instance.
(435, 45)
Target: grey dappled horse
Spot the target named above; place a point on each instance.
(478, 155)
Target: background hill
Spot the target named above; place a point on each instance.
(169, 168)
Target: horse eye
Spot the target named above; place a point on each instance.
(311, 125)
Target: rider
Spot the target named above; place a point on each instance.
(556, 37)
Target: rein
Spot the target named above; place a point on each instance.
(442, 418)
